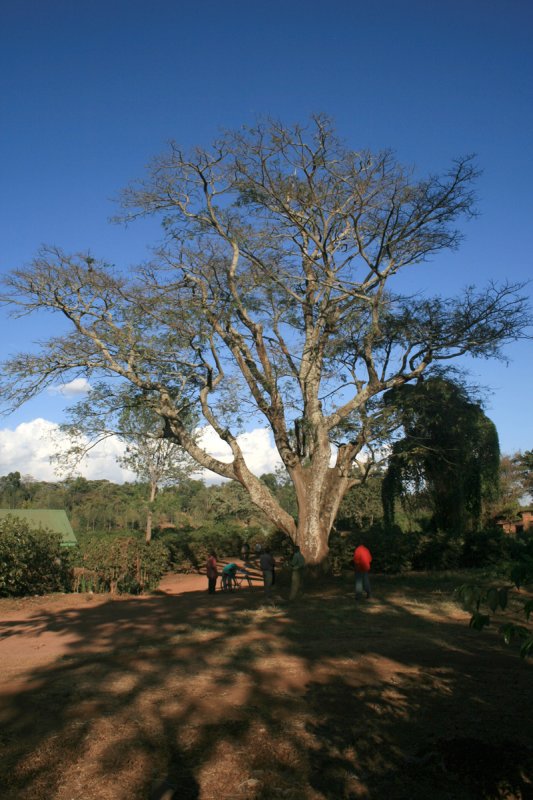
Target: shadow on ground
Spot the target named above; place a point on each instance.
(185, 697)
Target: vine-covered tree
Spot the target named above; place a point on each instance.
(274, 297)
(449, 453)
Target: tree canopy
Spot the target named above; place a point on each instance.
(524, 465)
(275, 297)
(449, 453)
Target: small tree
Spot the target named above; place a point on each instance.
(506, 504)
(155, 460)
(524, 463)
(11, 490)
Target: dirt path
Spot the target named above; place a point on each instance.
(29, 641)
(180, 695)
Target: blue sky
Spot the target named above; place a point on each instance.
(90, 91)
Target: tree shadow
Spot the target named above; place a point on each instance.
(225, 697)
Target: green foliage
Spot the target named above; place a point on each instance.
(100, 505)
(122, 564)
(282, 488)
(449, 454)
(438, 550)
(397, 551)
(189, 548)
(221, 517)
(522, 572)
(31, 562)
(506, 504)
(392, 550)
(485, 547)
(473, 597)
(11, 490)
(230, 501)
(362, 505)
(524, 463)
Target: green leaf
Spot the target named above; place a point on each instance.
(511, 631)
(470, 596)
(521, 632)
(507, 632)
(479, 621)
(527, 647)
(522, 573)
(493, 598)
(502, 598)
(528, 609)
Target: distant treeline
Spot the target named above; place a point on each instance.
(100, 505)
(192, 517)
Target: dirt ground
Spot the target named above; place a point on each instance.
(180, 695)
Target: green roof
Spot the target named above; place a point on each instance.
(45, 518)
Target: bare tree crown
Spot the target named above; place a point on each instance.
(274, 296)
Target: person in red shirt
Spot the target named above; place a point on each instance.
(362, 558)
(212, 572)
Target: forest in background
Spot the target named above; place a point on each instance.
(223, 516)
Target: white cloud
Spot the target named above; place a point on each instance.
(257, 446)
(73, 388)
(29, 447)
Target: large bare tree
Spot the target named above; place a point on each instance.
(276, 295)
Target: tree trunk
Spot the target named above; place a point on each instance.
(319, 491)
(149, 513)
(312, 538)
(319, 494)
(148, 529)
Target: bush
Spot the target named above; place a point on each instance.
(486, 548)
(521, 545)
(187, 551)
(123, 564)
(392, 550)
(396, 551)
(31, 561)
(438, 550)
(189, 548)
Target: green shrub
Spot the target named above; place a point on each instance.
(123, 564)
(392, 550)
(438, 550)
(520, 545)
(189, 548)
(397, 551)
(31, 561)
(485, 548)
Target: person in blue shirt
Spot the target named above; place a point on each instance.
(229, 576)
